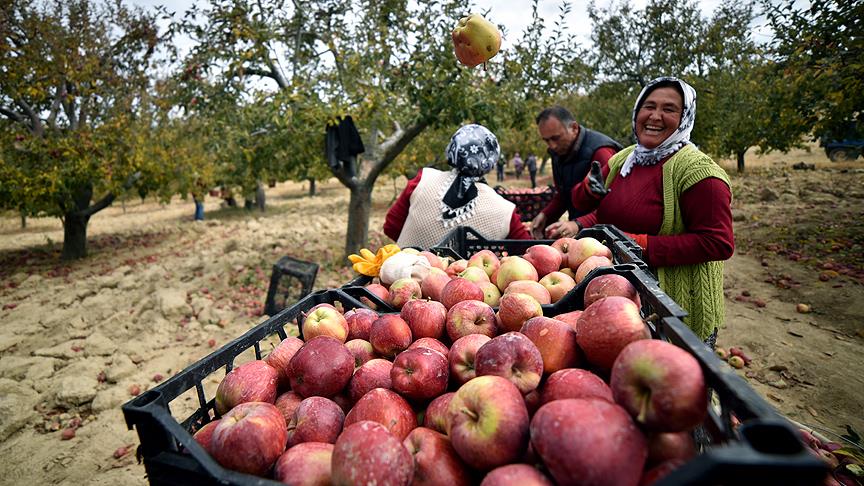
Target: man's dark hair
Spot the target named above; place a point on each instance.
(557, 111)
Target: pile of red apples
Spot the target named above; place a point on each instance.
(469, 384)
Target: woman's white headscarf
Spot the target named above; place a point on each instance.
(678, 139)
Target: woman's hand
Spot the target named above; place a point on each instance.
(562, 229)
(537, 225)
(596, 186)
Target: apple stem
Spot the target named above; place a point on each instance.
(643, 407)
(469, 413)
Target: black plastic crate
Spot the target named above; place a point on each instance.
(765, 449)
(529, 204)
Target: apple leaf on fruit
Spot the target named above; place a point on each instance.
(850, 452)
(856, 470)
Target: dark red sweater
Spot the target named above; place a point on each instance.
(635, 205)
(398, 213)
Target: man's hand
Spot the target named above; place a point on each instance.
(562, 229)
(595, 181)
(538, 224)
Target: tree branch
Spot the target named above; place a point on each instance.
(260, 72)
(15, 117)
(395, 144)
(35, 123)
(110, 197)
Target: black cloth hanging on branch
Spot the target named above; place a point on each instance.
(343, 143)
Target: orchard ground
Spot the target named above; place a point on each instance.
(159, 292)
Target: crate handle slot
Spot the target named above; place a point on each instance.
(771, 438)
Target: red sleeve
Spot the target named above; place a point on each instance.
(588, 220)
(555, 208)
(584, 199)
(517, 228)
(398, 212)
(706, 209)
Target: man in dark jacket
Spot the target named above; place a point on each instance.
(572, 148)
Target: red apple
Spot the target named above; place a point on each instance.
(433, 284)
(458, 290)
(431, 343)
(367, 453)
(281, 356)
(565, 246)
(471, 317)
(456, 267)
(663, 469)
(532, 403)
(434, 260)
(516, 308)
(359, 323)
(254, 381)
(491, 294)
(287, 403)
(667, 446)
(532, 288)
(516, 475)
(512, 356)
(610, 284)
(462, 355)
(606, 327)
(558, 284)
(306, 464)
(316, 419)
(249, 438)
(569, 272)
(322, 367)
(610, 449)
(555, 340)
(545, 258)
(584, 249)
(375, 373)
(377, 290)
(574, 383)
(589, 264)
(361, 350)
(204, 435)
(569, 317)
(419, 374)
(661, 385)
(425, 318)
(387, 408)
(515, 268)
(404, 290)
(435, 417)
(390, 335)
(474, 274)
(324, 320)
(435, 461)
(486, 260)
(488, 422)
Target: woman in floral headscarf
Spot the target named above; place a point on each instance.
(435, 202)
(672, 199)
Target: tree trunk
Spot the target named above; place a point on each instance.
(74, 235)
(311, 186)
(23, 219)
(741, 160)
(359, 209)
(260, 197)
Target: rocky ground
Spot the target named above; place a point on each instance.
(160, 292)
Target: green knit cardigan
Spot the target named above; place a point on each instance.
(697, 288)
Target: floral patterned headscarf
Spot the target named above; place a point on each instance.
(678, 139)
(472, 152)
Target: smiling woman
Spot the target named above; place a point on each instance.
(672, 199)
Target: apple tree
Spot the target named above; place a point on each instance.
(76, 76)
(387, 63)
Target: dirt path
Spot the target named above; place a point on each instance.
(160, 292)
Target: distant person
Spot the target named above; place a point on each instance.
(518, 165)
(436, 202)
(531, 165)
(572, 148)
(499, 168)
(673, 200)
